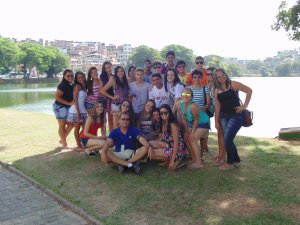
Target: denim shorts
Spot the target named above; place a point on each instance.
(60, 111)
(84, 141)
(200, 125)
(88, 105)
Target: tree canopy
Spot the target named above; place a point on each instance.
(144, 52)
(9, 55)
(181, 53)
(288, 19)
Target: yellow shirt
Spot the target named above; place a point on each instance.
(183, 78)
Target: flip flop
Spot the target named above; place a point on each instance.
(192, 166)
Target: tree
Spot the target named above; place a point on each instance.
(9, 55)
(284, 69)
(288, 19)
(214, 61)
(181, 53)
(144, 52)
(58, 62)
(263, 71)
(234, 70)
(254, 65)
(296, 67)
(32, 55)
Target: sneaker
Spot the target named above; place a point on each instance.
(136, 167)
(226, 166)
(92, 154)
(121, 169)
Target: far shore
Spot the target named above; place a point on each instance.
(30, 80)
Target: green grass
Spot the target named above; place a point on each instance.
(264, 190)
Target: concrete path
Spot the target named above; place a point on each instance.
(22, 203)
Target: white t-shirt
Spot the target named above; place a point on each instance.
(160, 96)
(140, 97)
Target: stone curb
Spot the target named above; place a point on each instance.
(54, 196)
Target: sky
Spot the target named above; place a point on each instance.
(229, 28)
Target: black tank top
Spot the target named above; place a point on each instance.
(229, 100)
(104, 78)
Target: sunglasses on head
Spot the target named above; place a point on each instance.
(164, 113)
(186, 95)
(200, 62)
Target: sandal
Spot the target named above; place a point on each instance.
(215, 158)
(180, 164)
(226, 166)
(193, 166)
(219, 162)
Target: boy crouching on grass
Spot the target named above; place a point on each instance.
(124, 139)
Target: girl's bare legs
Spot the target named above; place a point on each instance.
(199, 133)
(110, 121)
(77, 136)
(62, 132)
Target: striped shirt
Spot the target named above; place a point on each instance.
(198, 95)
(93, 98)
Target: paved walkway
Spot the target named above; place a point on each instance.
(23, 203)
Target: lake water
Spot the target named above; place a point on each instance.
(274, 102)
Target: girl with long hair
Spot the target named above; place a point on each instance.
(63, 100)
(170, 151)
(229, 115)
(173, 85)
(93, 89)
(89, 138)
(145, 121)
(77, 112)
(105, 76)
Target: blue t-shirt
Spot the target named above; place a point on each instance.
(128, 140)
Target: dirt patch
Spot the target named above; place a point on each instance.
(292, 211)
(236, 205)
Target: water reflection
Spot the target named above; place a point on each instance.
(26, 95)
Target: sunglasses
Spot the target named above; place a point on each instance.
(156, 67)
(125, 119)
(186, 95)
(181, 67)
(200, 62)
(164, 113)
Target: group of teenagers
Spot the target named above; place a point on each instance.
(159, 112)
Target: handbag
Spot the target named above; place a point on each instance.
(247, 115)
(247, 118)
(211, 110)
